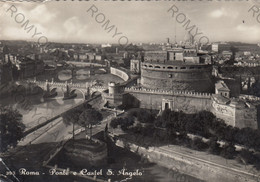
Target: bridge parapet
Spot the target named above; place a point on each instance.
(84, 88)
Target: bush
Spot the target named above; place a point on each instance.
(198, 144)
(114, 123)
(246, 156)
(206, 124)
(158, 122)
(228, 151)
(143, 115)
(123, 122)
(183, 138)
(257, 161)
(214, 147)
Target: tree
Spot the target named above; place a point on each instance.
(214, 146)
(126, 122)
(145, 116)
(71, 117)
(11, 128)
(246, 156)
(198, 144)
(228, 151)
(88, 118)
(114, 123)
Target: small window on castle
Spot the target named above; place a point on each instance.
(192, 67)
(157, 67)
(150, 66)
(183, 68)
(170, 67)
(225, 94)
(176, 68)
(170, 75)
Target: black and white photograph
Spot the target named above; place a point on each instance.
(130, 91)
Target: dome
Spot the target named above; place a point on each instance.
(188, 38)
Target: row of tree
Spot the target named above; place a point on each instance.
(203, 124)
(149, 136)
(207, 125)
(82, 116)
(12, 127)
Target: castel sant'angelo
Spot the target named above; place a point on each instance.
(180, 78)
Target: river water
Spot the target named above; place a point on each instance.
(36, 110)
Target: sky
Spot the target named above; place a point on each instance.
(134, 21)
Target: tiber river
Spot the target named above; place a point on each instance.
(36, 110)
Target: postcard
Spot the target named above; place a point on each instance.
(130, 91)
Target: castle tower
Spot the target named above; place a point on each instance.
(112, 88)
(114, 97)
(222, 89)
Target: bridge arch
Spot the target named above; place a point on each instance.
(20, 88)
(61, 87)
(101, 71)
(76, 89)
(95, 93)
(37, 89)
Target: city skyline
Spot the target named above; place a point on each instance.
(78, 102)
(218, 21)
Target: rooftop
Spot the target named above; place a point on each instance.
(221, 99)
(222, 86)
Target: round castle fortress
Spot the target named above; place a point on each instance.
(177, 76)
(177, 69)
(180, 79)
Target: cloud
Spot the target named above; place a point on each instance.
(36, 14)
(249, 32)
(68, 22)
(224, 12)
(248, 29)
(73, 26)
(41, 14)
(217, 13)
(15, 33)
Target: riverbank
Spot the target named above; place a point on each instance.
(198, 164)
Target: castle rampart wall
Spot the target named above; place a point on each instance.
(186, 101)
(236, 116)
(246, 118)
(225, 112)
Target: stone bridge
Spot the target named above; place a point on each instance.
(85, 89)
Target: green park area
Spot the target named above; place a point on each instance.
(209, 134)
